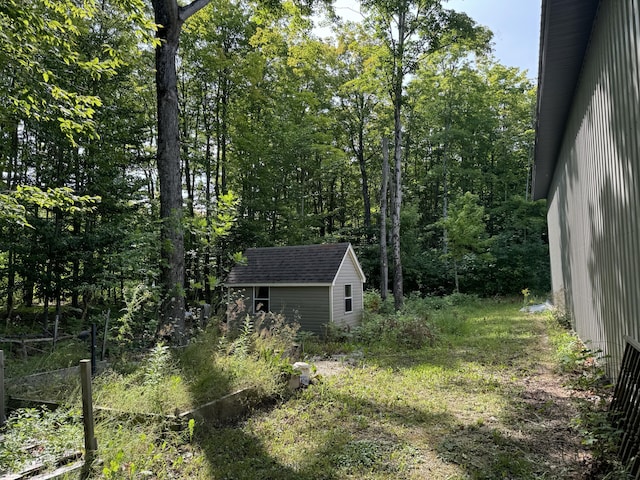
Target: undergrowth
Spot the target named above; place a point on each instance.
(416, 325)
(32, 437)
(586, 374)
(437, 393)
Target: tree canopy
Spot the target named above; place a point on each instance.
(273, 136)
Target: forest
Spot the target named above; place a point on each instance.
(137, 171)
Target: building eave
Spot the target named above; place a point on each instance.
(565, 31)
(263, 284)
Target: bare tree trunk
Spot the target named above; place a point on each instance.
(362, 161)
(398, 78)
(170, 16)
(11, 281)
(207, 194)
(384, 265)
(398, 294)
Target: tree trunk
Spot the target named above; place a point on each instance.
(208, 212)
(170, 16)
(384, 265)
(455, 275)
(362, 161)
(11, 281)
(398, 77)
(398, 294)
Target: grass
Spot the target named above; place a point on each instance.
(436, 412)
(455, 409)
(466, 403)
(28, 439)
(67, 353)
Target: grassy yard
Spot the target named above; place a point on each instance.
(482, 402)
(481, 398)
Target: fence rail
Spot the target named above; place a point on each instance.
(625, 408)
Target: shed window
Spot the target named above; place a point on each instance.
(348, 299)
(260, 299)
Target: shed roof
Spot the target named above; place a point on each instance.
(301, 264)
(565, 32)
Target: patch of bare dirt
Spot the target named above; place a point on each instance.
(335, 364)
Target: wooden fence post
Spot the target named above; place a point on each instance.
(90, 442)
(3, 417)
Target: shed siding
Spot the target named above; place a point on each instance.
(309, 306)
(594, 199)
(348, 274)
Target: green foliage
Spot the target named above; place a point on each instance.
(280, 145)
(28, 437)
(210, 367)
(136, 298)
(560, 315)
(40, 33)
(67, 353)
(405, 329)
(373, 303)
(242, 345)
(465, 230)
(158, 363)
(131, 450)
(13, 210)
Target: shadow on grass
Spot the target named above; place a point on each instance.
(356, 439)
(332, 431)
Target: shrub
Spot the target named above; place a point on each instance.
(373, 302)
(402, 330)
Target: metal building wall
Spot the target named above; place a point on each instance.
(594, 199)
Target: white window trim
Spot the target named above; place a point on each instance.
(348, 297)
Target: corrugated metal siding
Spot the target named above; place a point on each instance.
(594, 202)
(347, 274)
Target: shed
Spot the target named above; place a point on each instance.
(587, 167)
(314, 285)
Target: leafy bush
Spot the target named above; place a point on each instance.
(402, 330)
(373, 302)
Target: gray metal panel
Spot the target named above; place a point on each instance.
(594, 199)
(564, 37)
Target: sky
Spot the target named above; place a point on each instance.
(515, 25)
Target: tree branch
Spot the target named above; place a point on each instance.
(193, 7)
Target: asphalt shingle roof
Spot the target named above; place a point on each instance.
(291, 265)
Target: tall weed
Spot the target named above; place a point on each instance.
(28, 438)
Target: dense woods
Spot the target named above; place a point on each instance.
(279, 140)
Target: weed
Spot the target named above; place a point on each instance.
(593, 422)
(136, 298)
(66, 354)
(399, 330)
(28, 438)
(373, 303)
(158, 364)
(526, 293)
